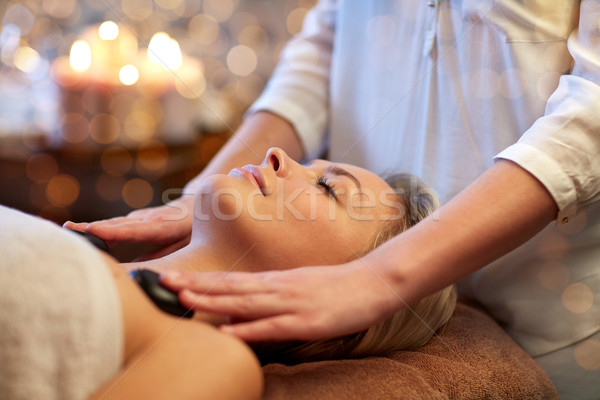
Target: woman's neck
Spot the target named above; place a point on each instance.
(193, 257)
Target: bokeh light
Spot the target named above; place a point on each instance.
(221, 10)
(578, 298)
(241, 60)
(129, 75)
(577, 223)
(152, 156)
(59, 8)
(41, 167)
(19, 17)
(104, 128)
(27, 59)
(137, 193)
(587, 354)
(62, 190)
(204, 29)
(294, 20)
(108, 30)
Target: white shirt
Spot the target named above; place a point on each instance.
(441, 88)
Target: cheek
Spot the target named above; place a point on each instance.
(292, 206)
(289, 244)
(215, 199)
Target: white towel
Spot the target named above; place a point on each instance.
(61, 330)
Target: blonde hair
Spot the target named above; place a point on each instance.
(408, 328)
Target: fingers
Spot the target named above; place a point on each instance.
(279, 328)
(79, 226)
(125, 229)
(130, 229)
(216, 282)
(102, 228)
(157, 225)
(238, 306)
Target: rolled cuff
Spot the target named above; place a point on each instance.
(548, 172)
(307, 128)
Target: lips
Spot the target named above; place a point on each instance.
(256, 175)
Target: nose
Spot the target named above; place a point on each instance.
(278, 159)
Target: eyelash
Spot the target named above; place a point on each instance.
(322, 181)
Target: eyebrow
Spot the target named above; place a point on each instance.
(339, 171)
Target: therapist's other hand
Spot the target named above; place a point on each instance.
(169, 225)
(299, 304)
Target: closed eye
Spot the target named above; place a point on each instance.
(330, 187)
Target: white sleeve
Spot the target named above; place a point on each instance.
(562, 148)
(298, 90)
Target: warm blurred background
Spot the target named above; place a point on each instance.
(106, 104)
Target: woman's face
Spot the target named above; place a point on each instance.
(291, 215)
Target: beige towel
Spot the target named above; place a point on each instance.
(60, 316)
(473, 358)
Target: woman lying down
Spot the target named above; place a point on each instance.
(75, 326)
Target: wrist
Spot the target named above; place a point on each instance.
(401, 270)
(387, 282)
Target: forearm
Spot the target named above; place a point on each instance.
(501, 210)
(255, 136)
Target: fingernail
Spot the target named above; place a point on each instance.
(171, 276)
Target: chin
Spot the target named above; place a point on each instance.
(218, 199)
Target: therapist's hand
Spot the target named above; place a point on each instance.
(299, 304)
(169, 225)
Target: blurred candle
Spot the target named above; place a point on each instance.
(106, 62)
(80, 57)
(165, 51)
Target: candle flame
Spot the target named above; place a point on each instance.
(108, 30)
(81, 55)
(165, 50)
(129, 75)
